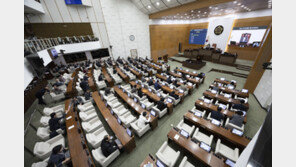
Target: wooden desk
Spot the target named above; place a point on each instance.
(210, 107)
(127, 142)
(153, 96)
(231, 91)
(108, 78)
(148, 160)
(190, 73)
(225, 82)
(71, 87)
(190, 88)
(160, 64)
(158, 69)
(217, 131)
(207, 158)
(187, 78)
(78, 155)
(123, 75)
(223, 99)
(138, 75)
(136, 106)
(91, 82)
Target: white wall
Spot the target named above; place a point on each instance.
(123, 19)
(225, 21)
(263, 91)
(28, 73)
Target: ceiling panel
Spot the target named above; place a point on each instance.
(186, 1)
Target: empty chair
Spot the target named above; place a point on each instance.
(127, 87)
(57, 109)
(160, 113)
(127, 118)
(85, 107)
(202, 113)
(114, 103)
(110, 97)
(43, 163)
(87, 115)
(101, 159)
(52, 97)
(231, 125)
(92, 125)
(140, 131)
(101, 84)
(96, 137)
(201, 137)
(186, 127)
(43, 149)
(120, 110)
(44, 120)
(226, 151)
(43, 133)
(167, 155)
(185, 163)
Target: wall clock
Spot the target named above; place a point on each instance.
(132, 37)
(219, 30)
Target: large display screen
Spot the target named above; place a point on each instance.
(198, 36)
(247, 36)
(73, 2)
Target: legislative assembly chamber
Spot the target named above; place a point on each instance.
(149, 83)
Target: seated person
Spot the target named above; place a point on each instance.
(59, 157)
(240, 106)
(200, 75)
(108, 146)
(58, 83)
(156, 85)
(56, 90)
(237, 120)
(143, 79)
(175, 83)
(217, 114)
(98, 63)
(114, 71)
(77, 100)
(107, 91)
(54, 123)
(174, 95)
(100, 77)
(134, 89)
(150, 82)
(169, 80)
(140, 93)
(84, 85)
(161, 105)
(215, 88)
(87, 95)
(184, 76)
(231, 85)
(85, 77)
(142, 121)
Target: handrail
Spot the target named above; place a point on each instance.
(36, 45)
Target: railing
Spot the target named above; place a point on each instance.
(36, 45)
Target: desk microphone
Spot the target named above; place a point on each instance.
(151, 157)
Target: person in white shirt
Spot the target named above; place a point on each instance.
(143, 120)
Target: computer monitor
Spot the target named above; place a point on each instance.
(181, 81)
(181, 91)
(149, 90)
(223, 106)
(216, 122)
(119, 121)
(194, 72)
(143, 106)
(135, 100)
(119, 86)
(205, 146)
(245, 90)
(207, 101)
(163, 83)
(160, 164)
(230, 163)
(169, 100)
(184, 133)
(189, 83)
(129, 132)
(230, 87)
(153, 113)
(187, 70)
(123, 90)
(128, 94)
(237, 132)
(158, 94)
(181, 68)
(198, 114)
(112, 112)
(187, 76)
(197, 78)
(222, 79)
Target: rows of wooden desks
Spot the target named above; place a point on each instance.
(138, 75)
(190, 73)
(127, 142)
(231, 91)
(122, 75)
(197, 82)
(193, 148)
(223, 99)
(158, 69)
(164, 78)
(211, 107)
(135, 106)
(71, 87)
(224, 82)
(218, 131)
(153, 96)
(108, 78)
(160, 64)
(91, 82)
(79, 152)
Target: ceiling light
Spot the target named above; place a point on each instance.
(198, 11)
(185, 14)
(168, 0)
(243, 6)
(192, 11)
(157, 3)
(210, 7)
(234, 2)
(205, 12)
(239, 4)
(149, 6)
(216, 8)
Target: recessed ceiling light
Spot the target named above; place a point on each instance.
(234, 2)
(239, 4)
(198, 11)
(168, 0)
(243, 6)
(210, 7)
(192, 11)
(205, 12)
(216, 8)
(149, 6)
(157, 3)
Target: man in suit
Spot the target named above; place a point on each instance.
(108, 146)
(174, 95)
(217, 114)
(134, 89)
(200, 75)
(150, 82)
(54, 122)
(87, 95)
(169, 80)
(59, 157)
(237, 120)
(156, 85)
(176, 83)
(100, 77)
(161, 105)
(84, 85)
(56, 90)
(40, 93)
(240, 106)
(140, 93)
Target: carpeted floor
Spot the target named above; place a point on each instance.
(152, 140)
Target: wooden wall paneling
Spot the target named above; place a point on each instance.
(51, 30)
(254, 21)
(264, 55)
(164, 39)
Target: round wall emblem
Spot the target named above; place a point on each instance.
(132, 37)
(219, 30)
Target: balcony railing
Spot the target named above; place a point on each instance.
(36, 45)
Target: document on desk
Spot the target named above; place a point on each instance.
(176, 137)
(68, 117)
(71, 127)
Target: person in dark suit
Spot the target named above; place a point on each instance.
(54, 122)
(134, 89)
(200, 75)
(217, 114)
(58, 157)
(161, 105)
(39, 95)
(108, 146)
(176, 83)
(184, 76)
(156, 85)
(107, 91)
(169, 80)
(84, 85)
(87, 95)
(85, 77)
(237, 120)
(77, 100)
(150, 82)
(100, 77)
(140, 93)
(240, 106)
(215, 88)
(56, 90)
(173, 94)
(114, 71)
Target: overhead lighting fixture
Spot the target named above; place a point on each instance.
(149, 6)
(192, 11)
(234, 2)
(239, 4)
(243, 6)
(199, 11)
(157, 3)
(210, 7)
(205, 12)
(168, 0)
(185, 14)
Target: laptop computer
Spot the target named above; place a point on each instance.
(237, 132)
(160, 164)
(135, 100)
(129, 132)
(153, 113)
(184, 133)
(205, 146)
(230, 163)
(215, 122)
